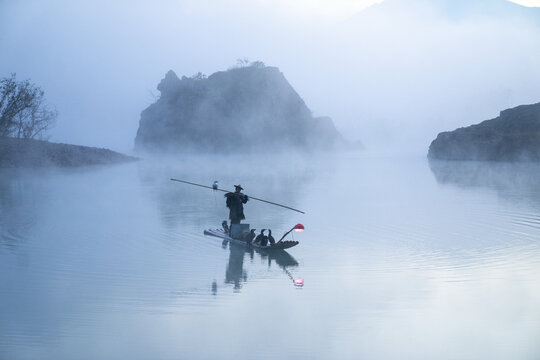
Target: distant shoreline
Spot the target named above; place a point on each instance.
(513, 136)
(37, 153)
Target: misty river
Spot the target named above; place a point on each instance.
(401, 258)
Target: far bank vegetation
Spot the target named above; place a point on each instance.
(24, 112)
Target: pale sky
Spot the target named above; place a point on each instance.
(531, 3)
(323, 9)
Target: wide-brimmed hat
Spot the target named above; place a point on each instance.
(238, 186)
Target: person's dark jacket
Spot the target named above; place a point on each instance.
(235, 203)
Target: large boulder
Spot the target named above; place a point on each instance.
(513, 136)
(251, 108)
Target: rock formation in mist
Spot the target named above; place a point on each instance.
(251, 108)
(513, 136)
(37, 153)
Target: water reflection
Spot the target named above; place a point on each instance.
(108, 264)
(509, 179)
(17, 207)
(236, 274)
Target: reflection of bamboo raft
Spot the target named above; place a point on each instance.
(220, 233)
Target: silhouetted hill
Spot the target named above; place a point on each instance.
(513, 136)
(251, 108)
(37, 153)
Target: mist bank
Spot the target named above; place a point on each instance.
(247, 109)
(38, 153)
(512, 136)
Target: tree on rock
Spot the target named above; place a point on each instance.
(23, 110)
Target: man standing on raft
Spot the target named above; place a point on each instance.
(235, 203)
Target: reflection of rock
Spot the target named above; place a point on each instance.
(506, 178)
(245, 109)
(16, 217)
(513, 136)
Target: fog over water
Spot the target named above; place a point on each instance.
(400, 259)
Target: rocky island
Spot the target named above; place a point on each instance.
(246, 109)
(512, 136)
(37, 153)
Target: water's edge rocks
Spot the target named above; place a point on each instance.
(247, 109)
(38, 153)
(512, 136)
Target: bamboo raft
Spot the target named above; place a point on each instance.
(280, 245)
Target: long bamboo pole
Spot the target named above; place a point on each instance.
(251, 197)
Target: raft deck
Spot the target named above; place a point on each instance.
(220, 233)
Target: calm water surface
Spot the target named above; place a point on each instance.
(401, 259)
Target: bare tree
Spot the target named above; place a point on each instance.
(240, 63)
(198, 76)
(23, 110)
(257, 64)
